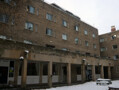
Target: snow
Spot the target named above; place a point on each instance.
(103, 79)
(87, 86)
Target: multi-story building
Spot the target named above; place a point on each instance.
(109, 44)
(43, 43)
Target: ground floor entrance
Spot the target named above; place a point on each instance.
(3, 75)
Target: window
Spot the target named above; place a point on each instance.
(64, 23)
(102, 40)
(114, 46)
(76, 28)
(31, 9)
(85, 32)
(13, 21)
(78, 69)
(49, 32)
(76, 40)
(11, 69)
(97, 69)
(116, 57)
(36, 28)
(37, 11)
(45, 69)
(93, 35)
(103, 49)
(49, 16)
(3, 37)
(6, 1)
(4, 18)
(29, 26)
(54, 69)
(27, 42)
(64, 49)
(64, 36)
(32, 69)
(94, 46)
(113, 37)
(86, 43)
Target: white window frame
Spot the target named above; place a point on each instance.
(29, 26)
(86, 43)
(49, 32)
(93, 35)
(31, 9)
(64, 23)
(76, 40)
(49, 16)
(85, 32)
(64, 36)
(77, 28)
(102, 39)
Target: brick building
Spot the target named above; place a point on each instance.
(43, 43)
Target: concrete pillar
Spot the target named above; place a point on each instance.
(59, 73)
(41, 73)
(102, 72)
(83, 72)
(50, 74)
(93, 73)
(16, 71)
(24, 73)
(109, 72)
(69, 73)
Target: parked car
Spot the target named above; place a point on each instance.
(103, 81)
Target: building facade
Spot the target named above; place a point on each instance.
(43, 43)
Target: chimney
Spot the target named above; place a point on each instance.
(113, 28)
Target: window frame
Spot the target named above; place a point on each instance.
(49, 16)
(64, 36)
(49, 32)
(86, 43)
(85, 32)
(76, 40)
(77, 28)
(28, 24)
(31, 9)
(4, 18)
(64, 22)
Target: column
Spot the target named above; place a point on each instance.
(16, 71)
(93, 73)
(50, 74)
(109, 72)
(102, 72)
(59, 73)
(83, 72)
(24, 73)
(69, 73)
(41, 73)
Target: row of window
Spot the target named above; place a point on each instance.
(113, 37)
(31, 10)
(114, 47)
(29, 26)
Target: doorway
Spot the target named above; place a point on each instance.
(3, 75)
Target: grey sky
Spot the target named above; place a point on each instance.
(101, 14)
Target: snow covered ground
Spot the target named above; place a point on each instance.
(87, 86)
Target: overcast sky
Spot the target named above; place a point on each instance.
(101, 14)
